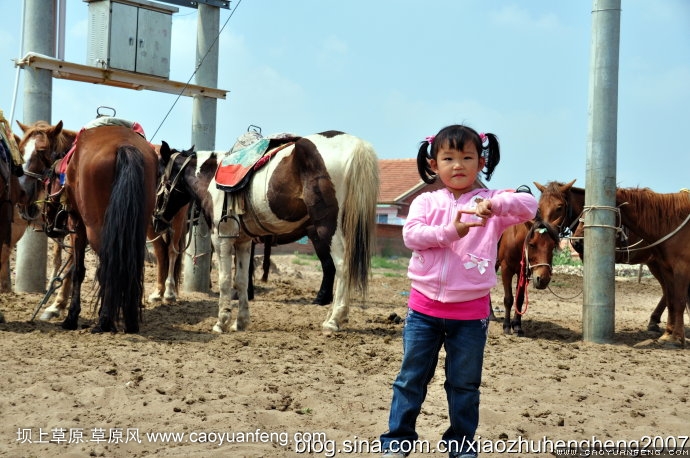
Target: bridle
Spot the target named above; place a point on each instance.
(165, 188)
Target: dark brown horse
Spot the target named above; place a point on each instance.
(562, 204)
(525, 250)
(109, 195)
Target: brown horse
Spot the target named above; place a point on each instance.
(41, 145)
(109, 194)
(662, 221)
(525, 250)
(562, 204)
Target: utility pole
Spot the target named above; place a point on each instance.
(197, 263)
(598, 311)
(39, 37)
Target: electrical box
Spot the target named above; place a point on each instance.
(130, 35)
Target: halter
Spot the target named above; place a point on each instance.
(526, 268)
(165, 188)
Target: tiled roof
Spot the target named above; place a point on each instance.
(397, 177)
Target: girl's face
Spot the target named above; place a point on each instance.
(458, 170)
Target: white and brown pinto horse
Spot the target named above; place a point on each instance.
(327, 183)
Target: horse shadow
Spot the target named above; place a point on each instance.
(536, 329)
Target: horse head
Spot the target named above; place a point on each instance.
(180, 184)
(554, 204)
(41, 145)
(540, 242)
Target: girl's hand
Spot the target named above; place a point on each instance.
(482, 210)
(463, 227)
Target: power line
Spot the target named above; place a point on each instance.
(198, 66)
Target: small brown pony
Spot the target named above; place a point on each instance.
(525, 250)
(562, 204)
(663, 221)
(109, 192)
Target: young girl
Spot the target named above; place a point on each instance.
(453, 233)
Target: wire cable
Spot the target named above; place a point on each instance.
(201, 61)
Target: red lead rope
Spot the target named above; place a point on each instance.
(523, 281)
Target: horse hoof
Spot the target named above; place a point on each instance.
(238, 327)
(154, 298)
(653, 327)
(69, 325)
(507, 331)
(49, 315)
(669, 340)
(322, 300)
(520, 333)
(218, 329)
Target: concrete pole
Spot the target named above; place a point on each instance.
(39, 36)
(197, 263)
(598, 313)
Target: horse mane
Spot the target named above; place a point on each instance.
(64, 142)
(653, 209)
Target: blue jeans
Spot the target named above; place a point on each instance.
(423, 336)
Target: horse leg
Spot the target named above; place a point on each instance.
(161, 252)
(655, 317)
(516, 323)
(5, 281)
(268, 241)
(224, 250)
(79, 242)
(508, 299)
(57, 308)
(18, 228)
(323, 251)
(341, 298)
(242, 256)
(675, 329)
(250, 273)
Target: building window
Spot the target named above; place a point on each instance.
(382, 218)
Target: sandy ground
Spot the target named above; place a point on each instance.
(281, 389)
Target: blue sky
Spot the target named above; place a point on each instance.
(393, 72)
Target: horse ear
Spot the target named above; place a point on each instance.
(567, 186)
(23, 127)
(165, 152)
(540, 187)
(58, 127)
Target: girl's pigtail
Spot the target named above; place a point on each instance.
(423, 167)
(492, 154)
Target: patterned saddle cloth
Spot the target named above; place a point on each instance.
(250, 153)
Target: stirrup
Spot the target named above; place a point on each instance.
(58, 228)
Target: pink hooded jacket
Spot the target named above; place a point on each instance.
(447, 268)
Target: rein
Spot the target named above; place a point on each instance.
(619, 229)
